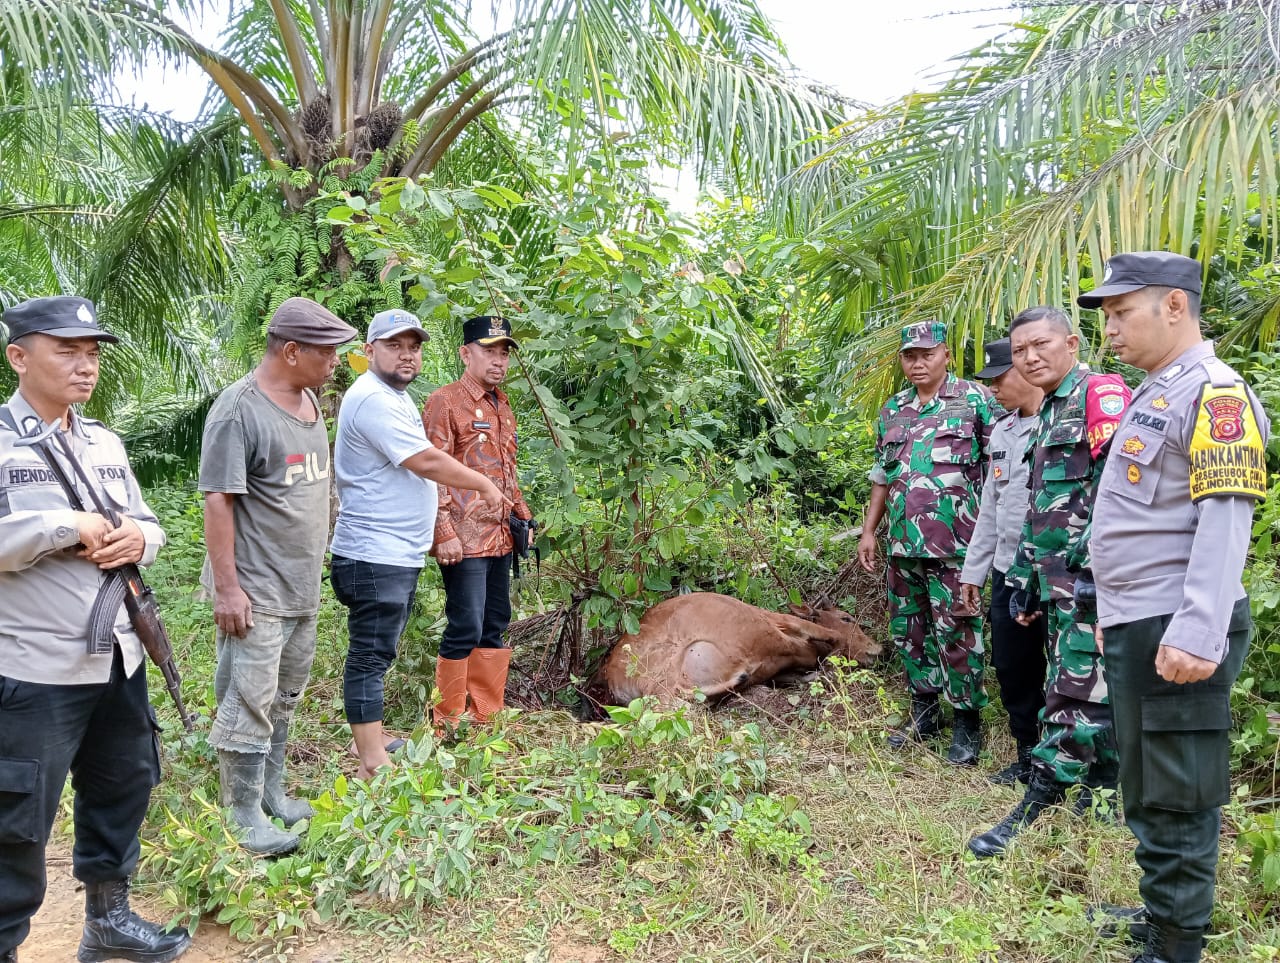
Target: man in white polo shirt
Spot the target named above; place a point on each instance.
(386, 472)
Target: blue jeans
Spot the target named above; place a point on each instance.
(477, 604)
(379, 599)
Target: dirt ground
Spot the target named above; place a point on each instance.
(55, 933)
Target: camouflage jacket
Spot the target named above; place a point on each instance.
(931, 458)
(1066, 454)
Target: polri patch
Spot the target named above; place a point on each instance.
(1227, 456)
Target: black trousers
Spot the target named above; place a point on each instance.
(379, 599)
(1175, 758)
(1019, 654)
(106, 736)
(477, 604)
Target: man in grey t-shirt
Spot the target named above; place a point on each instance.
(386, 472)
(264, 469)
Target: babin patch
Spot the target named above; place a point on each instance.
(1134, 474)
(1111, 404)
(1133, 446)
(1160, 404)
(1227, 456)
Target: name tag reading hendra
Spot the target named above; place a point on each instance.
(481, 425)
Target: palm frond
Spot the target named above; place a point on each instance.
(1091, 129)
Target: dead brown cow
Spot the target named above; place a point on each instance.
(715, 644)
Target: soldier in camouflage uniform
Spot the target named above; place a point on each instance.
(1067, 451)
(931, 442)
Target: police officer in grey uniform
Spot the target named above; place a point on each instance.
(1171, 528)
(68, 703)
(1018, 652)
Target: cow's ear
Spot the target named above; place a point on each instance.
(802, 611)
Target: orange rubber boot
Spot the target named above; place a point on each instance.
(487, 681)
(451, 680)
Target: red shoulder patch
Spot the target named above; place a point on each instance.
(1105, 400)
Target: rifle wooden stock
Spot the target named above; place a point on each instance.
(144, 615)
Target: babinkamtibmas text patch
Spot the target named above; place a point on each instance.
(1227, 454)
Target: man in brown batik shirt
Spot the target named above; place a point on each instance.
(471, 420)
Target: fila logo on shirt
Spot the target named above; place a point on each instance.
(304, 468)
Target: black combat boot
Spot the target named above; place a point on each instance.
(1112, 920)
(1171, 944)
(9, 956)
(966, 738)
(114, 932)
(1099, 795)
(1017, 771)
(922, 722)
(1042, 792)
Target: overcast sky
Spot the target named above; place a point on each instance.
(877, 50)
(871, 50)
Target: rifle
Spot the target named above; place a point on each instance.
(124, 584)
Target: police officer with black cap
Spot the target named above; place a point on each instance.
(1171, 526)
(67, 702)
(1018, 652)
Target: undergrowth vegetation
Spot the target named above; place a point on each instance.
(774, 827)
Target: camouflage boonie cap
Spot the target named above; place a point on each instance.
(924, 334)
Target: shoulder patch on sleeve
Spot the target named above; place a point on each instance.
(1105, 400)
(1227, 454)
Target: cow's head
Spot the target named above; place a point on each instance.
(855, 645)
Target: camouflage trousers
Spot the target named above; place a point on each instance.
(940, 650)
(1076, 733)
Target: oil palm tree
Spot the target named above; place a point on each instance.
(99, 200)
(1088, 129)
(316, 81)
(328, 87)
